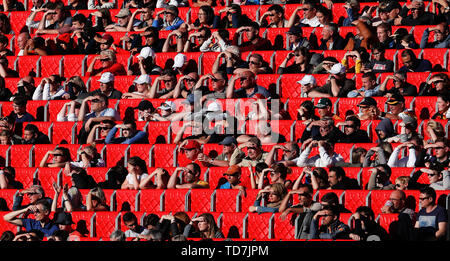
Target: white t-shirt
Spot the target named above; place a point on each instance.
(313, 22)
(129, 178)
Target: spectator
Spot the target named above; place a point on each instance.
(437, 84)
(324, 15)
(432, 219)
(205, 18)
(218, 41)
(137, 172)
(191, 178)
(34, 193)
(443, 108)
(301, 62)
(141, 86)
(42, 222)
(331, 39)
(176, 40)
(57, 20)
(146, 111)
(331, 227)
(352, 8)
(7, 128)
(131, 222)
(117, 235)
(161, 177)
(109, 64)
(4, 50)
(379, 63)
(413, 64)
(353, 132)
(60, 155)
(418, 15)
(308, 83)
(434, 130)
(296, 39)
(130, 134)
(147, 14)
(103, 128)
(206, 227)
(326, 157)
(6, 139)
(76, 87)
(234, 17)
(291, 152)
(223, 160)
(196, 39)
(414, 148)
(123, 18)
(306, 208)
(100, 4)
(170, 21)
(441, 150)
(442, 37)
(5, 93)
(438, 177)
(338, 85)
(254, 41)
(152, 39)
(310, 18)
(64, 222)
(19, 112)
(402, 182)
(8, 179)
(382, 152)
(96, 200)
(401, 85)
(332, 199)
(365, 227)
(396, 108)
(322, 129)
(32, 135)
(187, 84)
(232, 54)
(169, 78)
(276, 17)
(89, 158)
(380, 178)
(369, 110)
(369, 87)
(273, 194)
(12, 5)
(218, 81)
(51, 89)
(249, 87)
(146, 63)
(77, 5)
(232, 179)
(255, 153)
(338, 179)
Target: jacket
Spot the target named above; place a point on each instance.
(336, 230)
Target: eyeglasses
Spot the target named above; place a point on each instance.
(231, 175)
(32, 193)
(167, 13)
(431, 175)
(105, 128)
(397, 185)
(376, 53)
(271, 15)
(58, 155)
(438, 81)
(4, 119)
(305, 9)
(104, 59)
(37, 211)
(421, 199)
(251, 148)
(439, 148)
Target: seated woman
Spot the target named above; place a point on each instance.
(60, 155)
(301, 62)
(96, 200)
(278, 173)
(137, 173)
(161, 177)
(109, 63)
(273, 194)
(89, 158)
(205, 227)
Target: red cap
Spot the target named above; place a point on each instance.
(191, 144)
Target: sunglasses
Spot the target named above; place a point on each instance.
(431, 175)
(167, 13)
(126, 129)
(423, 198)
(251, 148)
(216, 80)
(243, 79)
(253, 62)
(231, 175)
(96, 100)
(4, 119)
(305, 9)
(149, 35)
(191, 80)
(104, 60)
(105, 128)
(438, 81)
(271, 15)
(58, 155)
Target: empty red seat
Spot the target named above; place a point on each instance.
(106, 223)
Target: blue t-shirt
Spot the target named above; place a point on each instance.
(48, 229)
(433, 218)
(225, 186)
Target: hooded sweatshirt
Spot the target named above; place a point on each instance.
(386, 126)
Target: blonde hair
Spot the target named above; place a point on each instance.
(110, 54)
(402, 179)
(437, 128)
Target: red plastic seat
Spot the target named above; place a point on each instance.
(25, 176)
(258, 226)
(106, 223)
(175, 200)
(355, 199)
(21, 156)
(200, 200)
(142, 151)
(115, 153)
(74, 64)
(5, 226)
(51, 64)
(232, 224)
(226, 200)
(126, 196)
(163, 155)
(39, 152)
(385, 220)
(283, 229)
(425, 106)
(150, 200)
(63, 132)
(83, 222)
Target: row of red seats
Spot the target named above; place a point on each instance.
(64, 65)
(249, 225)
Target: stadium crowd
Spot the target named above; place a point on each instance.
(350, 103)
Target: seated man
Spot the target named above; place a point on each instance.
(338, 179)
(401, 230)
(379, 63)
(109, 64)
(255, 153)
(369, 110)
(32, 135)
(232, 179)
(223, 160)
(169, 78)
(326, 157)
(400, 85)
(254, 41)
(276, 17)
(42, 222)
(291, 152)
(418, 15)
(413, 64)
(249, 87)
(322, 129)
(99, 112)
(352, 131)
(330, 227)
(296, 38)
(191, 178)
(337, 85)
(170, 21)
(331, 39)
(369, 87)
(442, 35)
(123, 17)
(19, 113)
(130, 134)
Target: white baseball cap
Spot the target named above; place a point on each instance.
(338, 68)
(167, 105)
(214, 107)
(179, 60)
(106, 77)
(307, 79)
(146, 52)
(143, 78)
